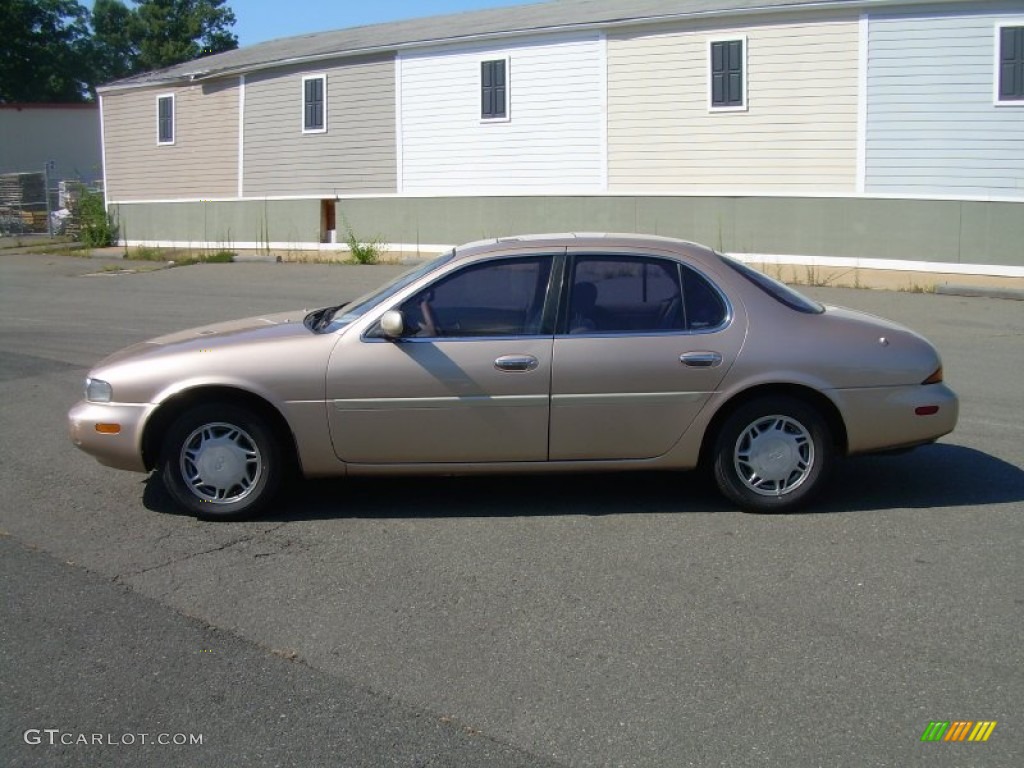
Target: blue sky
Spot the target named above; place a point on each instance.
(260, 20)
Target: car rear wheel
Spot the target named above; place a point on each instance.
(772, 454)
(221, 462)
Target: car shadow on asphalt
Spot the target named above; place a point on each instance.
(935, 476)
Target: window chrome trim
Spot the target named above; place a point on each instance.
(433, 339)
(644, 334)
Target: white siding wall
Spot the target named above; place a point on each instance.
(799, 133)
(552, 142)
(932, 125)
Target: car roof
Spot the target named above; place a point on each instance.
(598, 240)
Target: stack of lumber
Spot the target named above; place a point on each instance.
(23, 201)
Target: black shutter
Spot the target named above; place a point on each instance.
(1011, 64)
(314, 104)
(165, 119)
(492, 89)
(727, 73)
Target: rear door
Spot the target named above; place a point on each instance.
(643, 342)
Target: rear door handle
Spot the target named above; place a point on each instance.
(701, 359)
(519, 363)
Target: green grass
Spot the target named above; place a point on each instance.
(178, 258)
(914, 287)
(219, 257)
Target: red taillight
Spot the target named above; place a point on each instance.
(935, 378)
(926, 410)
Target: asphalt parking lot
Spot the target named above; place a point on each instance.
(575, 621)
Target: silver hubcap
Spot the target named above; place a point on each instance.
(221, 463)
(774, 455)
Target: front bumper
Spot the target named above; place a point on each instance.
(122, 450)
(884, 418)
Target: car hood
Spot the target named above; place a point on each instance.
(244, 332)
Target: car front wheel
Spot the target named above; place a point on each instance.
(221, 462)
(772, 454)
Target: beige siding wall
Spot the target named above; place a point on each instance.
(202, 162)
(357, 152)
(799, 133)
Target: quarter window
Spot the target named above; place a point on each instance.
(627, 294)
(494, 89)
(314, 104)
(499, 298)
(165, 119)
(727, 74)
(1011, 64)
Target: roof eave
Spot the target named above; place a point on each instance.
(811, 5)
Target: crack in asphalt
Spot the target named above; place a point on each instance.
(119, 578)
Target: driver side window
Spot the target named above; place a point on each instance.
(495, 298)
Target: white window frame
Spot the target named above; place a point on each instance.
(302, 102)
(508, 89)
(742, 107)
(996, 43)
(174, 120)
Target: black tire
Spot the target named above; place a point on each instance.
(221, 462)
(773, 454)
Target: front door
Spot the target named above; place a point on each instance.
(467, 382)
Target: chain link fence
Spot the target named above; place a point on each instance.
(31, 204)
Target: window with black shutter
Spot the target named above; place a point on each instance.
(165, 120)
(727, 86)
(314, 104)
(493, 89)
(1011, 64)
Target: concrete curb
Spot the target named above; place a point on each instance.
(980, 291)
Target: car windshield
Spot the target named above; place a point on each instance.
(776, 289)
(357, 308)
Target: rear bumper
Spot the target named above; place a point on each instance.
(887, 418)
(122, 450)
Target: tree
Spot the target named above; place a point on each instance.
(115, 47)
(45, 54)
(170, 32)
(49, 53)
(157, 33)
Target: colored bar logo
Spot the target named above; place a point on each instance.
(958, 730)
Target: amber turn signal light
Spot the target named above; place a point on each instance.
(108, 429)
(935, 378)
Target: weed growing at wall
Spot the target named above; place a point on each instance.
(96, 228)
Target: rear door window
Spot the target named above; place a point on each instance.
(612, 294)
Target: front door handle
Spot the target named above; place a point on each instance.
(519, 363)
(701, 359)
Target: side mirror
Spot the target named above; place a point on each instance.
(392, 324)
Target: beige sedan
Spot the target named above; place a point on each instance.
(529, 354)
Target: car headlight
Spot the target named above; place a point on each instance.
(98, 391)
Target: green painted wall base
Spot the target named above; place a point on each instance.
(954, 232)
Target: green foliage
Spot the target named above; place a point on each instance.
(363, 252)
(46, 51)
(56, 51)
(170, 32)
(115, 41)
(96, 229)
